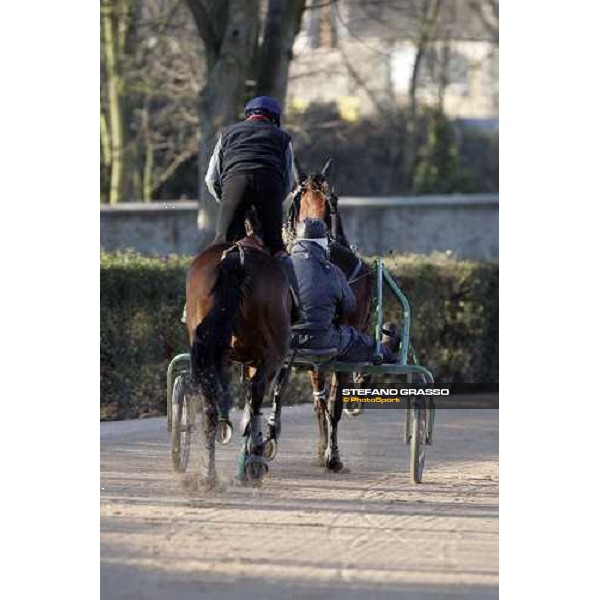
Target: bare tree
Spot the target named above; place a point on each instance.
(165, 73)
(432, 27)
(229, 31)
(151, 74)
(115, 27)
(283, 21)
(429, 11)
(489, 14)
(165, 96)
(235, 62)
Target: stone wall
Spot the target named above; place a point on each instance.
(466, 225)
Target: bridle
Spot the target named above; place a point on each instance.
(319, 187)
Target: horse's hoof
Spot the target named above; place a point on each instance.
(256, 468)
(336, 466)
(353, 411)
(270, 449)
(333, 463)
(224, 432)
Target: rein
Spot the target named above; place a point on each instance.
(353, 276)
(333, 215)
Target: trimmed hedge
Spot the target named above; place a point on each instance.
(455, 324)
(454, 307)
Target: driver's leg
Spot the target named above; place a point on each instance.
(360, 347)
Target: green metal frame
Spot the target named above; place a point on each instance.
(401, 366)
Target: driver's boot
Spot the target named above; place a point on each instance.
(390, 340)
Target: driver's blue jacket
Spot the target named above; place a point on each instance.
(325, 297)
(324, 293)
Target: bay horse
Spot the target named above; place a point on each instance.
(316, 198)
(238, 309)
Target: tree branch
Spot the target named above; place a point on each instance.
(208, 28)
(491, 25)
(170, 169)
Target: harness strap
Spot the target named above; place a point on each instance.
(333, 215)
(356, 270)
(237, 246)
(249, 242)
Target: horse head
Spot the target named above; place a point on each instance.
(315, 198)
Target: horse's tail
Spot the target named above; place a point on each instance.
(214, 332)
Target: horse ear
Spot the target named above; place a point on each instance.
(299, 171)
(327, 170)
(327, 173)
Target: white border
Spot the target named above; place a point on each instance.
(50, 309)
(548, 230)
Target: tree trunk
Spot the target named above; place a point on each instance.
(221, 98)
(411, 122)
(427, 25)
(283, 22)
(114, 86)
(105, 158)
(148, 158)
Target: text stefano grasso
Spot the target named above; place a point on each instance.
(396, 392)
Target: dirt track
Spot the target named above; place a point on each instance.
(306, 534)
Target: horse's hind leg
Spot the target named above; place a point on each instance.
(253, 465)
(274, 421)
(332, 455)
(206, 384)
(320, 405)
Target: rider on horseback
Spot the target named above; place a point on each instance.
(325, 297)
(253, 165)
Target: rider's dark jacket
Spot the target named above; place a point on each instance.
(252, 166)
(325, 295)
(249, 147)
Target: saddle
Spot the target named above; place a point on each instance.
(250, 242)
(254, 242)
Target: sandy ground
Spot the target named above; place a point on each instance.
(306, 534)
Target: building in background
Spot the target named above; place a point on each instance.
(360, 56)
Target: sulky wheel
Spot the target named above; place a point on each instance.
(224, 431)
(183, 423)
(418, 440)
(270, 449)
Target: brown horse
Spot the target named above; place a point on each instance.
(316, 199)
(237, 309)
